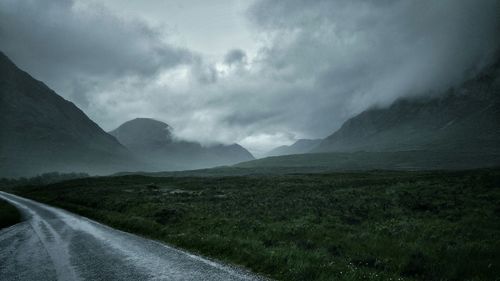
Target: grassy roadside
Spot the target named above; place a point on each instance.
(339, 226)
(9, 215)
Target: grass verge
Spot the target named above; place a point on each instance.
(9, 215)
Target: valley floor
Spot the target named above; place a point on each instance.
(332, 226)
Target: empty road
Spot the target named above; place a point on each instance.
(53, 244)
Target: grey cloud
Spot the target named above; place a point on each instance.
(67, 41)
(235, 56)
(205, 73)
(363, 53)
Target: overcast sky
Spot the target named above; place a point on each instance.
(260, 73)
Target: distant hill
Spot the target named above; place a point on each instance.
(42, 132)
(299, 147)
(153, 142)
(466, 119)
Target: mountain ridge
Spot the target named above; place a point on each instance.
(465, 119)
(298, 147)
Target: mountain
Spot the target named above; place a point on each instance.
(459, 129)
(42, 132)
(466, 119)
(299, 147)
(153, 142)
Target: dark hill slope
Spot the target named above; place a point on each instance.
(41, 131)
(299, 147)
(466, 119)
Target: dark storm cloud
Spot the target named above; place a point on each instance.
(74, 44)
(361, 53)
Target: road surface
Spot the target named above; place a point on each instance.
(53, 244)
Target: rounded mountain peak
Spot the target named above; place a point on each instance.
(144, 121)
(143, 132)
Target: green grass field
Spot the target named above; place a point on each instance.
(9, 215)
(364, 161)
(335, 226)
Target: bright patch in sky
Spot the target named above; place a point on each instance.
(209, 27)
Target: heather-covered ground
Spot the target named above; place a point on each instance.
(332, 226)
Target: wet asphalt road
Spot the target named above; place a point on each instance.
(53, 244)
